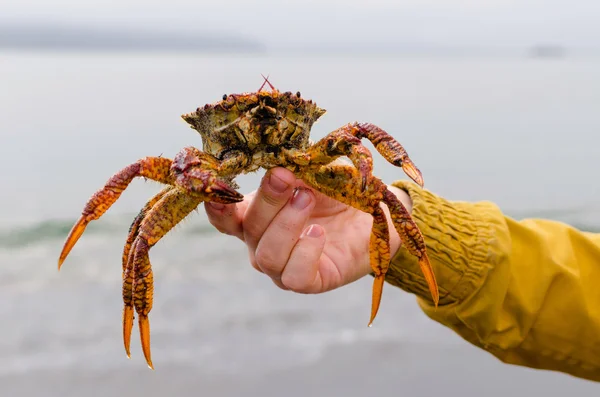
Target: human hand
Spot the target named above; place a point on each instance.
(303, 240)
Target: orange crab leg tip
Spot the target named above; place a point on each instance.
(74, 235)
(430, 278)
(377, 292)
(413, 172)
(144, 325)
(127, 327)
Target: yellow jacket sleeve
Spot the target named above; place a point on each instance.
(526, 291)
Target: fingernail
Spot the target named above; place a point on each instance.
(217, 206)
(313, 231)
(277, 184)
(300, 199)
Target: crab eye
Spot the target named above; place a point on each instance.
(224, 96)
(298, 94)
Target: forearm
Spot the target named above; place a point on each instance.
(521, 290)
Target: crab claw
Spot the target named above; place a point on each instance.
(223, 193)
(74, 235)
(202, 181)
(412, 171)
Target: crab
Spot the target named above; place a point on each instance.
(240, 134)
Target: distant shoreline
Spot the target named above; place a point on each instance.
(55, 37)
(82, 39)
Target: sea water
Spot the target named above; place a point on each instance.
(520, 132)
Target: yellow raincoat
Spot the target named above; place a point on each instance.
(526, 291)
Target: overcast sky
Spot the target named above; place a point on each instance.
(275, 22)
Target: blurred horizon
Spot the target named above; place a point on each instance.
(73, 37)
(331, 26)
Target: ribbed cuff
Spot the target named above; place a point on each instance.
(457, 236)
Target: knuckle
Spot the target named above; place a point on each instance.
(273, 201)
(280, 285)
(226, 226)
(285, 226)
(217, 224)
(251, 229)
(266, 260)
(255, 265)
(220, 225)
(224, 230)
(295, 284)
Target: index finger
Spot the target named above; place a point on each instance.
(274, 192)
(227, 218)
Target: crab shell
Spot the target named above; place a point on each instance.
(257, 123)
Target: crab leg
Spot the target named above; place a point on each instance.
(127, 264)
(346, 141)
(171, 209)
(194, 184)
(412, 240)
(387, 146)
(155, 168)
(343, 183)
(158, 169)
(334, 145)
(135, 225)
(379, 253)
(192, 177)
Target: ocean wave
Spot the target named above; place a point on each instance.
(52, 230)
